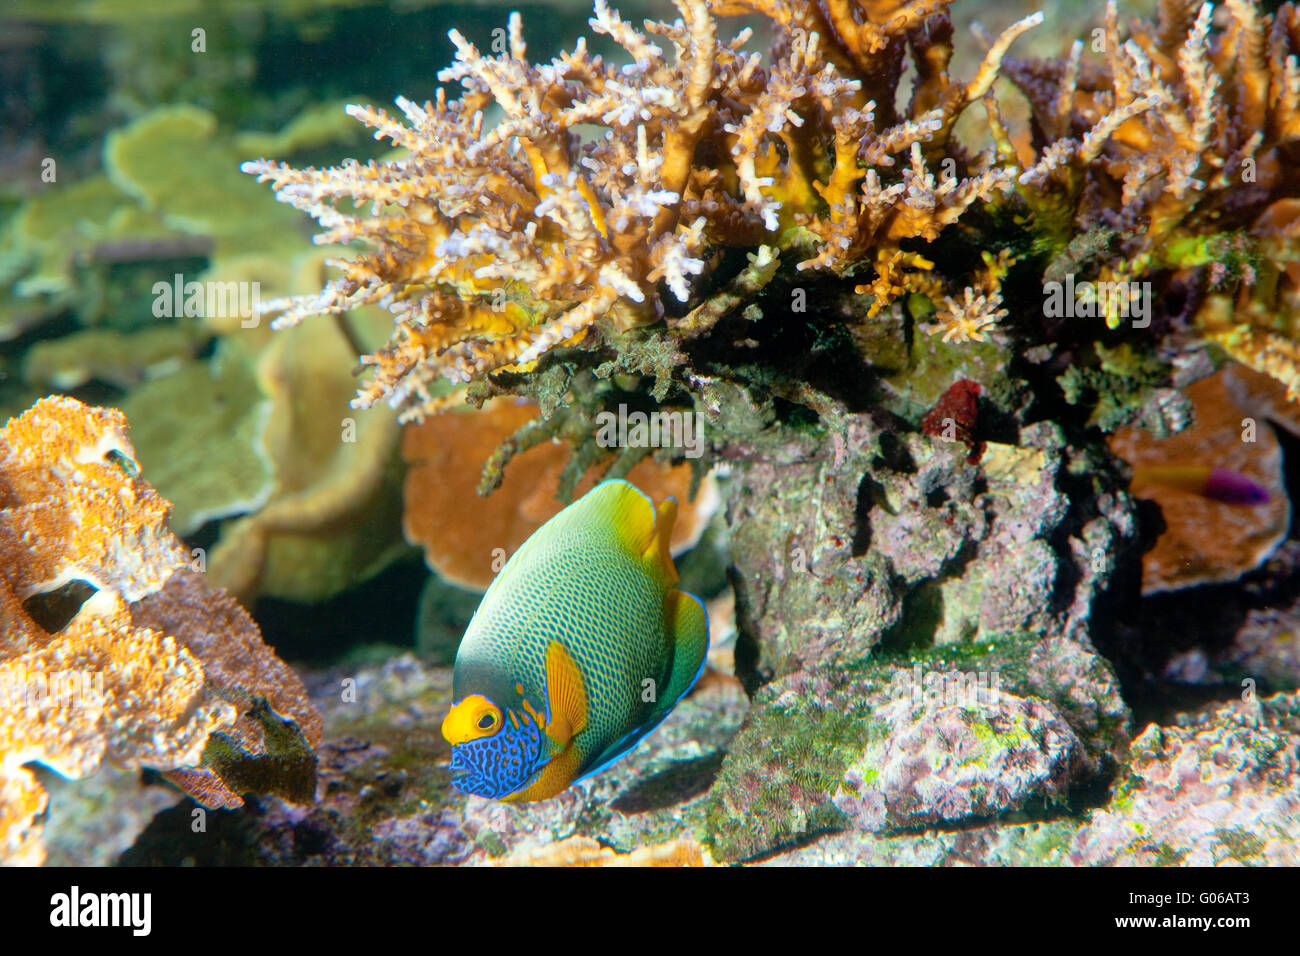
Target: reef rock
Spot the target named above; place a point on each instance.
(885, 537)
(955, 763)
(1219, 790)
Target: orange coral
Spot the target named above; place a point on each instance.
(495, 246)
(1204, 540)
(104, 685)
(73, 509)
(1262, 396)
(460, 532)
(584, 851)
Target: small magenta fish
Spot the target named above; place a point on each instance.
(1217, 484)
(579, 649)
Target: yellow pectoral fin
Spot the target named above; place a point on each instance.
(566, 695)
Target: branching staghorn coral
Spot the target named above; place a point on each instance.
(526, 258)
(1182, 143)
(493, 247)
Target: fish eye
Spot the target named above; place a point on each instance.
(486, 721)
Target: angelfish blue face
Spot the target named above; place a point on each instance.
(496, 766)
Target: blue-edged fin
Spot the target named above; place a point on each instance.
(566, 695)
(611, 754)
(687, 624)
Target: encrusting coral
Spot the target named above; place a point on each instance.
(332, 516)
(128, 678)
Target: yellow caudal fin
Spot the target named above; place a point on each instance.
(566, 695)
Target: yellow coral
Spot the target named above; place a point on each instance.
(1181, 144)
(974, 317)
(971, 319)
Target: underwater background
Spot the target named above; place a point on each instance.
(984, 584)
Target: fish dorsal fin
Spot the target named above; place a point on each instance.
(631, 516)
(658, 551)
(629, 511)
(566, 695)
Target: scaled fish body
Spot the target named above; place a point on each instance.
(580, 648)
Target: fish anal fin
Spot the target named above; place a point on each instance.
(566, 695)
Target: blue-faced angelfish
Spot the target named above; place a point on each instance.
(580, 648)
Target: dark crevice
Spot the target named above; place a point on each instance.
(53, 610)
(870, 491)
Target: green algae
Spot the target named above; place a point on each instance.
(1241, 844)
(1167, 855)
(775, 785)
(1014, 737)
(1116, 385)
(285, 765)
